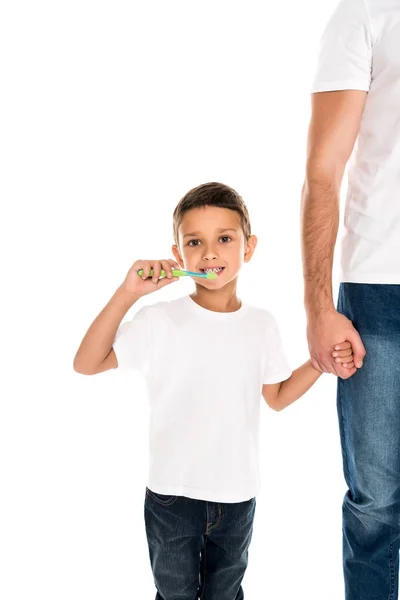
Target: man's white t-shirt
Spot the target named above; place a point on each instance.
(204, 372)
(360, 50)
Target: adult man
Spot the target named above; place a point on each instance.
(356, 97)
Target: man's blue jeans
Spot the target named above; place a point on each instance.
(198, 549)
(369, 418)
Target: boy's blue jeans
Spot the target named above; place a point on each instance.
(369, 418)
(198, 549)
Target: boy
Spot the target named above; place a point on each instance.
(207, 359)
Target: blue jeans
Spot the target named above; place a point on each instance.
(369, 418)
(198, 549)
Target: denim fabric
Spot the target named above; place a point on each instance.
(369, 419)
(198, 549)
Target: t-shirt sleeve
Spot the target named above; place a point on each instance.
(277, 368)
(345, 54)
(133, 341)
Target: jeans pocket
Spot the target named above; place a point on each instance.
(163, 499)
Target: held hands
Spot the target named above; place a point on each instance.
(343, 354)
(140, 285)
(323, 329)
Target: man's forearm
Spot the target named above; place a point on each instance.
(319, 227)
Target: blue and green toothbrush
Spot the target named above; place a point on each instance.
(182, 273)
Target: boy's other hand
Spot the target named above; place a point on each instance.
(343, 354)
(140, 285)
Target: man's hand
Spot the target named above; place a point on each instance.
(323, 331)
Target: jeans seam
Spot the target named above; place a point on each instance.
(204, 568)
(341, 417)
(391, 568)
(343, 430)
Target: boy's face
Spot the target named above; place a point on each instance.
(212, 238)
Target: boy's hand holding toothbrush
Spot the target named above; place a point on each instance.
(147, 276)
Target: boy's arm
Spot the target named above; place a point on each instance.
(279, 395)
(96, 354)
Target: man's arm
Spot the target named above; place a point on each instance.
(332, 134)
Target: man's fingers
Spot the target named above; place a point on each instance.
(328, 365)
(346, 373)
(332, 326)
(345, 357)
(348, 365)
(359, 351)
(338, 368)
(335, 370)
(342, 353)
(344, 360)
(318, 365)
(343, 346)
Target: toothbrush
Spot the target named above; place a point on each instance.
(181, 273)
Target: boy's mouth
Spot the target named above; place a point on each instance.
(217, 270)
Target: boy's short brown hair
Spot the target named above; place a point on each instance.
(212, 194)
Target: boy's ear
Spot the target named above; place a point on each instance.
(177, 255)
(250, 247)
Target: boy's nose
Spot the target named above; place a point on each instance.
(210, 255)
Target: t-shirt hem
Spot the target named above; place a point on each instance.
(278, 378)
(335, 86)
(354, 277)
(203, 494)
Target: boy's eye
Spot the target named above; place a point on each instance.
(194, 243)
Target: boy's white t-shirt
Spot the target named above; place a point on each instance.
(204, 372)
(360, 50)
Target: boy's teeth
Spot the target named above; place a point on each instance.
(215, 270)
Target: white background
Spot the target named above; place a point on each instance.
(110, 112)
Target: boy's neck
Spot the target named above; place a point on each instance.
(224, 300)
